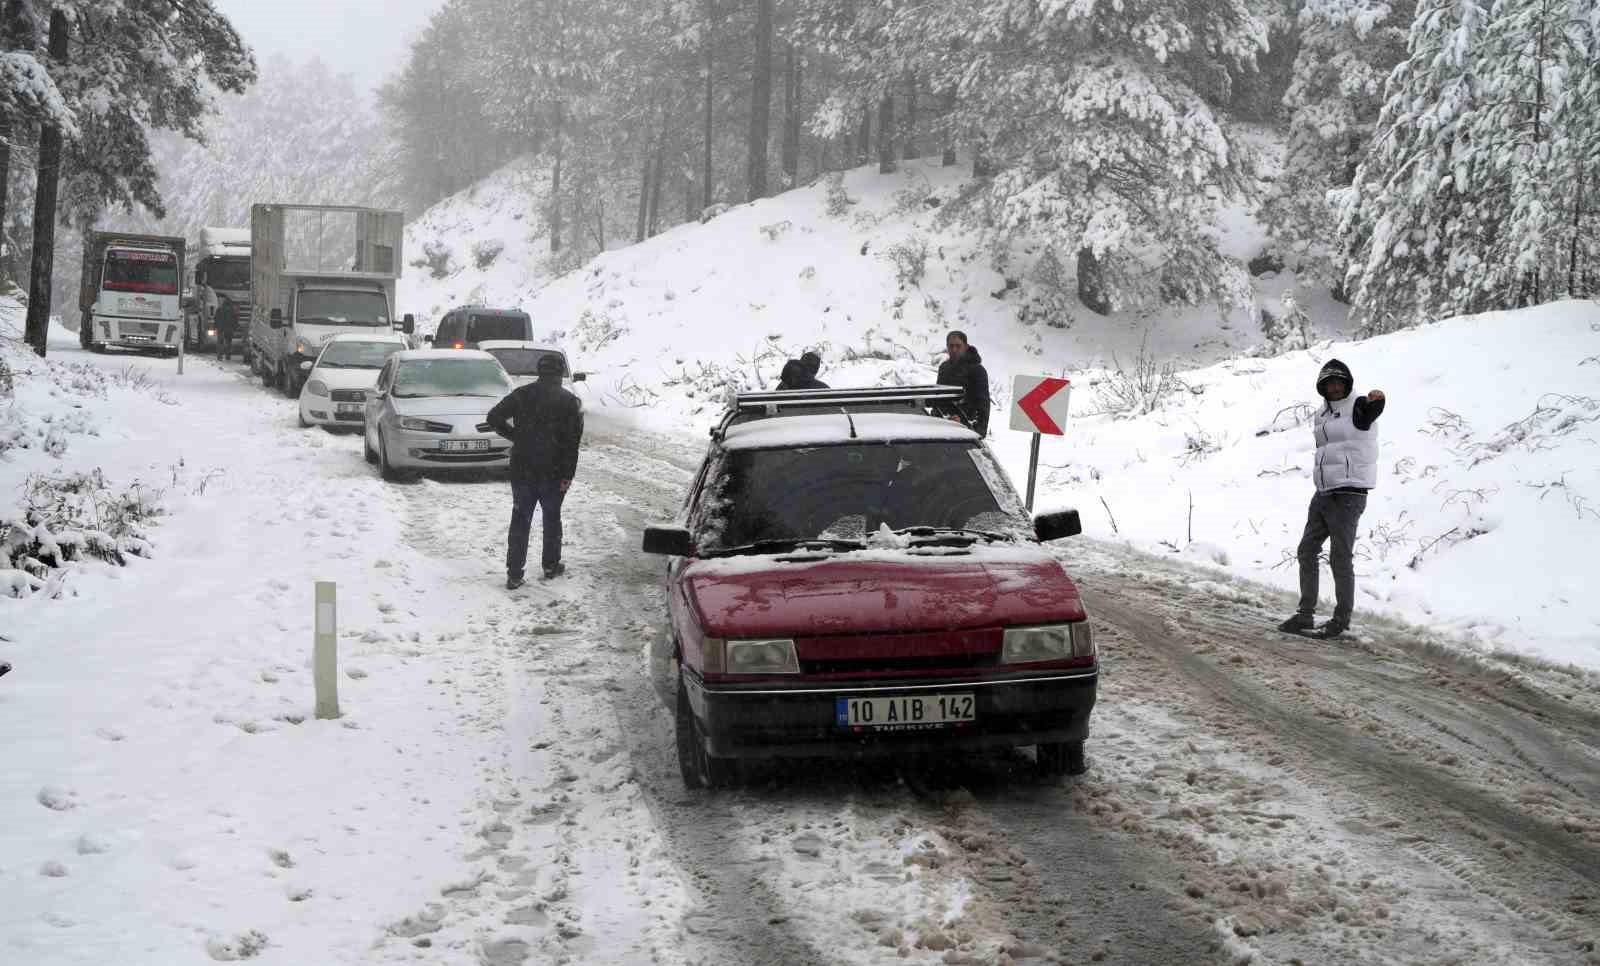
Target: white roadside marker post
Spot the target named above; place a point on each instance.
(1038, 406)
(325, 651)
(183, 337)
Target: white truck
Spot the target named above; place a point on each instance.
(317, 271)
(129, 291)
(222, 270)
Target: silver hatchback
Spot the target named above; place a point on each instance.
(429, 411)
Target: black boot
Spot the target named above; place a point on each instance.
(1298, 624)
(1332, 629)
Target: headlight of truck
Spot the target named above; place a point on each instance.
(1055, 642)
(760, 657)
(317, 387)
(423, 425)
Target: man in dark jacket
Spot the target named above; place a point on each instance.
(226, 320)
(811, 362)
(1344, 469)
(964, 368)
(545, 424)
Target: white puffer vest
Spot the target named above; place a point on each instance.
(1346, 456)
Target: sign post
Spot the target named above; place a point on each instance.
(325, 650)
(1038, 406)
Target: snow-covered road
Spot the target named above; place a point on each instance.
(502, 787)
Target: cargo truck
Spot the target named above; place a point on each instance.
(222, 270)
(129, 291)
(317, 271)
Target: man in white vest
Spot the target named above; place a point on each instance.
(1344, 470)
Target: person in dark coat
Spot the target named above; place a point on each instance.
(226, 320)
(964, 368)
(811, 362)
(545, 425)
(1344, 470)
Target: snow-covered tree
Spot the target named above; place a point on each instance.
(1347, 49)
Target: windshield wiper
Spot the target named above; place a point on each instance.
(947, 533)
(787, 544)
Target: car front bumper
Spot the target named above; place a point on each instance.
(424, 451)
(323, 411)
(763, 721)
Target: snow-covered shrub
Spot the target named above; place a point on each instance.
(485, 252)
(60, 519)
(1141, 390)
(712, 211)
(1287, 331)
(910, 259)
(839, 201)
(594, 331)
(777, 228)
(1051, 294)
(435, 258)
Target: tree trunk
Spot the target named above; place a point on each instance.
(791, 119)
(644, 190)
(886, 160)
(654, 222)
(555, 186)
(949, 157)
(864, 140)
(1091, 283)
(600, 220)
(690, 213)
(44, 204)
(755, 171)
(705, 172)
(5, 185)
(1572, 246)
(911, 119)
(982, 165)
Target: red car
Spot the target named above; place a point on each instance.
(852, 575)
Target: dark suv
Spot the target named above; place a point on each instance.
(852, 575)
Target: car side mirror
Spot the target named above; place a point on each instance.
(306, 365)
(1054, 526)
(428, 338)
(669, 541)
(408, 323)
(579, 376)
(276, 319)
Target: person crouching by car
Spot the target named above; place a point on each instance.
(1344, 470)
(545, 425)
(964, 368)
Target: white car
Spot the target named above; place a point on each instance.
(521, 359)
(429, 411)
(337, 384)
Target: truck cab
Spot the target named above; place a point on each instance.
(222, 270)
(130, 292)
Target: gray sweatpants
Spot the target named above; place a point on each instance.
(1335, 516)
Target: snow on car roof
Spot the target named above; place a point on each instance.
(410, 354)
(517, 344)
(824, 429)
(368, 337)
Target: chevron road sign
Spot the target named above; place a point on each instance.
(1039, 406)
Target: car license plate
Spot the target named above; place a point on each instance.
(348, 407)
(464, 445)
(905, 712)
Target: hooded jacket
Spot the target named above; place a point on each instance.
(796, 375)
(967, 371)
(545, 425)
(1346, 434)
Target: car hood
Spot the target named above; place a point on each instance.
(444, 405)
(873, 592)
(346, 378)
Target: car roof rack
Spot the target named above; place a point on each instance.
(747, 406)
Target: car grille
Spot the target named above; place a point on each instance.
(909, 665)
(150, 327)
(480, 457)
(349, 417)
(349, 395)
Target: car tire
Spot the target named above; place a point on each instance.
(285, 380)
(1061, 758)
(385, 470)
(302, 417)
(366, 448)
(699, 769)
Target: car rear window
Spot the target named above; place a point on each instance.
(486, 328)
(523, 362)
(848, 492)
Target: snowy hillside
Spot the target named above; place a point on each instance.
(665, 326)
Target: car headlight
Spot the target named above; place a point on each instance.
(317, 387)
(423, 425)
(757, 658)
(1055, 642)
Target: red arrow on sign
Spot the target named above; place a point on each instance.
(1033, 404)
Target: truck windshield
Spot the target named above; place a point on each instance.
(850, 491)
(357, 355)
(450, 377)
(524, 362)
(153, 273)
(228, 274)
(338, 307)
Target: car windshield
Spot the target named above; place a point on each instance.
(333, 307)
(230, 274)
(523, 362)
(849, 492)
(152, 273)
(450, 377)
(486, 328)
(357, 355)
